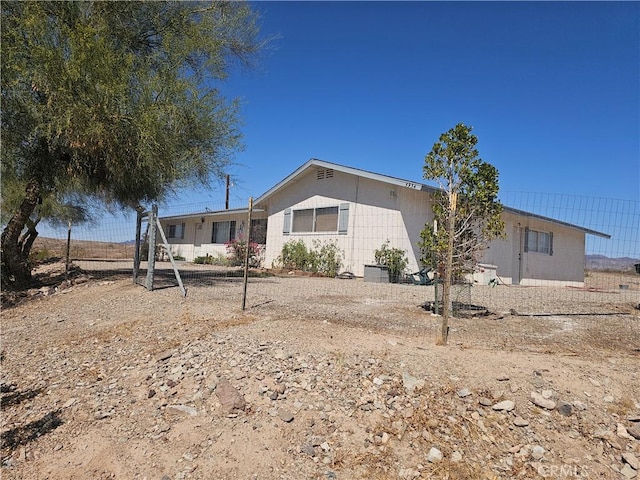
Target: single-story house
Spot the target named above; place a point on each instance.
(360, 210)
(207, 233)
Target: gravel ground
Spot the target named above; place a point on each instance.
(339, 378)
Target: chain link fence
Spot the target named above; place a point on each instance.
(106, 250)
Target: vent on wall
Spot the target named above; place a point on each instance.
(324, 173)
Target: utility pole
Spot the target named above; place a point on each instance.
(226, 200)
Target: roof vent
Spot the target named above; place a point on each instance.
(323, 173)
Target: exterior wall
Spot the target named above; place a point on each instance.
(515, 266)
(197, 235)
(381, 211)
(375, 215)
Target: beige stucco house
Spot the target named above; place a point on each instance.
(360, 210)
(207, 233)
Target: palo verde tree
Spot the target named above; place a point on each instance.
(114, 101)
(466, 210)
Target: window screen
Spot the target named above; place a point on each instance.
(223, 232)
(539, 242)
(176, 230)
(326, 219)
(302, 220)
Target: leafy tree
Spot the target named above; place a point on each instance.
(466, 210)
(114, 101)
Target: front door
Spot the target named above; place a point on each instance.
(197, 239)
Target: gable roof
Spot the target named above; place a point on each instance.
(315, 163)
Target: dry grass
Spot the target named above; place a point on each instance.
(45, 247)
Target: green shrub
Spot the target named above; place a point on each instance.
(325, 258)
(394, 259)
(219, 260)
(294, 255)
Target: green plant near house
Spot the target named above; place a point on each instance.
(218, 260)
(327, 258)
(294, 255)
(324, 258)
(395, 259)
(237, 252)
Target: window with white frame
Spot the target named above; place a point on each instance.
(176, 230)
(223, 232)
(538, 242)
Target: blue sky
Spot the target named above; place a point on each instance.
(552, 91)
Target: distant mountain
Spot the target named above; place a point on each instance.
(602, 262)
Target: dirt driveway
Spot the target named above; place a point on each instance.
(318, 378)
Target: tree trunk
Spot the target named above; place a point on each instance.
(16, 272)
(26, 241)
(448, 272)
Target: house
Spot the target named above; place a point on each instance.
(207, 233)
(359, 210)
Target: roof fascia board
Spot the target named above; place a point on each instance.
(214, 213)
(553, 220)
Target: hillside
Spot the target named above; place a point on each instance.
(601, 262)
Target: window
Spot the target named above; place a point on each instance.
(223, 232)
(538, 242)
(176, 230)
(326, 219)
(315, 220)
(259, 230)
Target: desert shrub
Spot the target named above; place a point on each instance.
(40, 256)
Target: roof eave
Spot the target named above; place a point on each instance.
(553, 220)
(212, 213)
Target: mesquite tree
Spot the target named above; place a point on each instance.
(466, 210)
(113, 101)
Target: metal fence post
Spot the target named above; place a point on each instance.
(151, 259)
(246, 255)
(136, 251)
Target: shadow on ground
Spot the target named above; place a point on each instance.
(23, 434)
